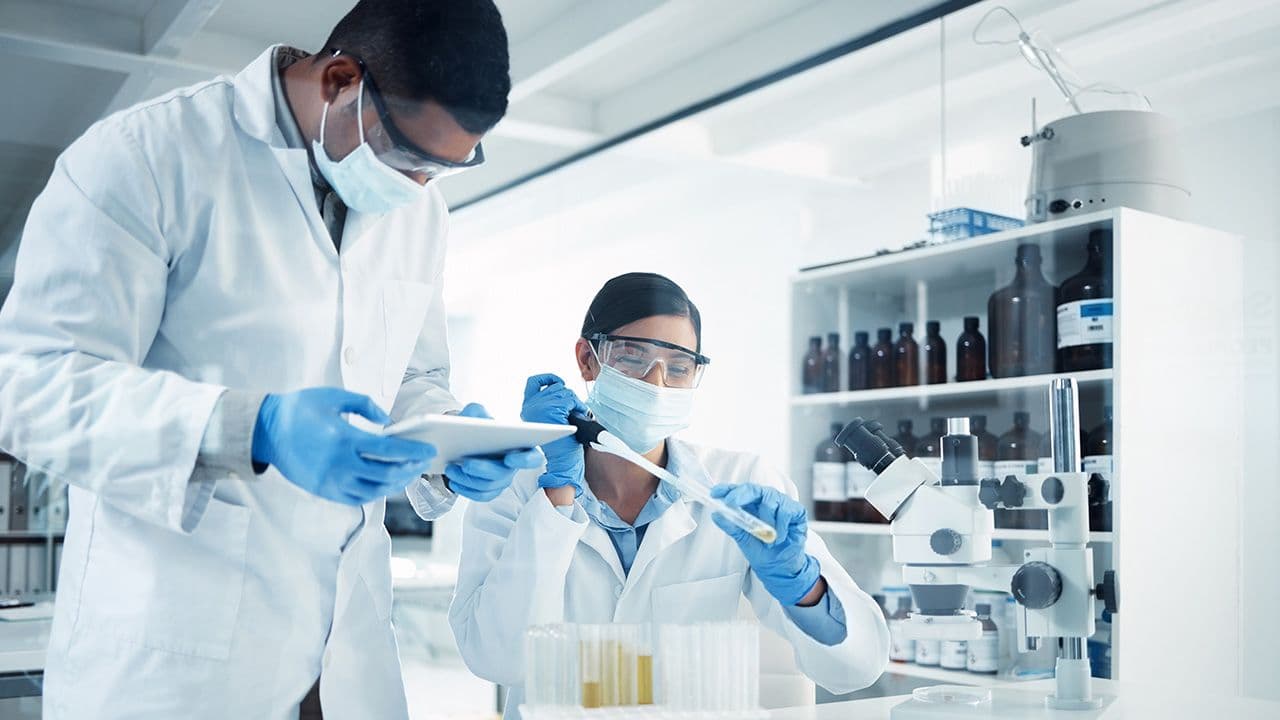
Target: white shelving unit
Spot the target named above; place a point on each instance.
(1176, 387)
(868, 529)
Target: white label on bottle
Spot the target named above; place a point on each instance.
(901, 647)
(934, 464)
(987, 469)
(1102, 465)
(1004, 468)
(857, 480)
(1085, 322)
(928, 652)
(984, 653)
(828, 482)
(955, 655)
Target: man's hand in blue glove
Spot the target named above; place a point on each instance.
(305, 436)
(547, 400)
(789, 573)
(484, 478)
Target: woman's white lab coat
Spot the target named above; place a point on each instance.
(177, 252)
(525, 563)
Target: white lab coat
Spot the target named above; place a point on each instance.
(178, 251)
(525, 563)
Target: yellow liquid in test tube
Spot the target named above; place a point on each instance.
(591, 695)
(644, 679)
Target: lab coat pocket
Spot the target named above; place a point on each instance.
(404, 310)
(709, 600)
(147, 584)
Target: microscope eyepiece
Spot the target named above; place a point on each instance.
(860, 438)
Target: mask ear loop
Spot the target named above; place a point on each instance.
(324, 116)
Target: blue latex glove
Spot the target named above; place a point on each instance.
(784, 568)
(547, 400)
(484, 478)
(304, 435)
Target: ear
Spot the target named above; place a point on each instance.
(587, 365)
(337, 74)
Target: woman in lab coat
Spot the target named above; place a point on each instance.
(595, 539)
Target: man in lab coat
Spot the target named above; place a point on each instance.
(209, 284)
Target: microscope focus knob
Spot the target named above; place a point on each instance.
(945, 541)
(1037, 585)
(1012, 491)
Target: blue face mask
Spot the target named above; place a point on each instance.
(365, 183)
(636, 412)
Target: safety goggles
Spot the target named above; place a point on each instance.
(395, 148)
(637, 357)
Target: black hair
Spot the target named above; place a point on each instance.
(451, 51)
(635, 296)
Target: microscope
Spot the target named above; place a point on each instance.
(942, 528)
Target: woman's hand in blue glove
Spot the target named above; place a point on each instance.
(783, 566)
(485, 478)
(547, 400)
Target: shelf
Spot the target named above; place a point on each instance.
(949, 390)
(950, 677)
(827, 527)
(845, 528)
(947, 260)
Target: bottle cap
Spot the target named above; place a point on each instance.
(904, 426)
(933, 327)
(979, 422)
(815, 340)
(1029, 252)
(860, 338)
(906, 328)
(1021, 419)
(833, 338)
(884, 334)
(971, 323)
(938, 426)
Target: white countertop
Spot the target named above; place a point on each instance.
(1133, 702)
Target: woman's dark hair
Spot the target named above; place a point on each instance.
(451, 51)
(635, 296)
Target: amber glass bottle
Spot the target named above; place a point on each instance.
(1017, 453)
(987, 444)
(1022, 321)
(906, 356)
(882, 367)
(1085, 311)
(1098, 451)
(829, 496)
(831, 359)
(971, 353)
(811, 367)
(860, 363)
(935, 354)
(929, 447)
(905, 438)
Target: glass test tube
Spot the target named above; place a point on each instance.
(644, 664)
(589, 666)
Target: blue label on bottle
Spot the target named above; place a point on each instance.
(1096, 310)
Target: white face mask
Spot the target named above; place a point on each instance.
(365, 183)
(636, 412)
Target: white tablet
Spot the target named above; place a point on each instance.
(456, 437)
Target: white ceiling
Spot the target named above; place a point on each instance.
(584, 71)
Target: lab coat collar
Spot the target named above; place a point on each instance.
(597, 539)
(254, 102)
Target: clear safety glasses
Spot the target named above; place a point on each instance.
(637, 357)
(395, 148)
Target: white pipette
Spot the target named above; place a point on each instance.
(593, 434)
